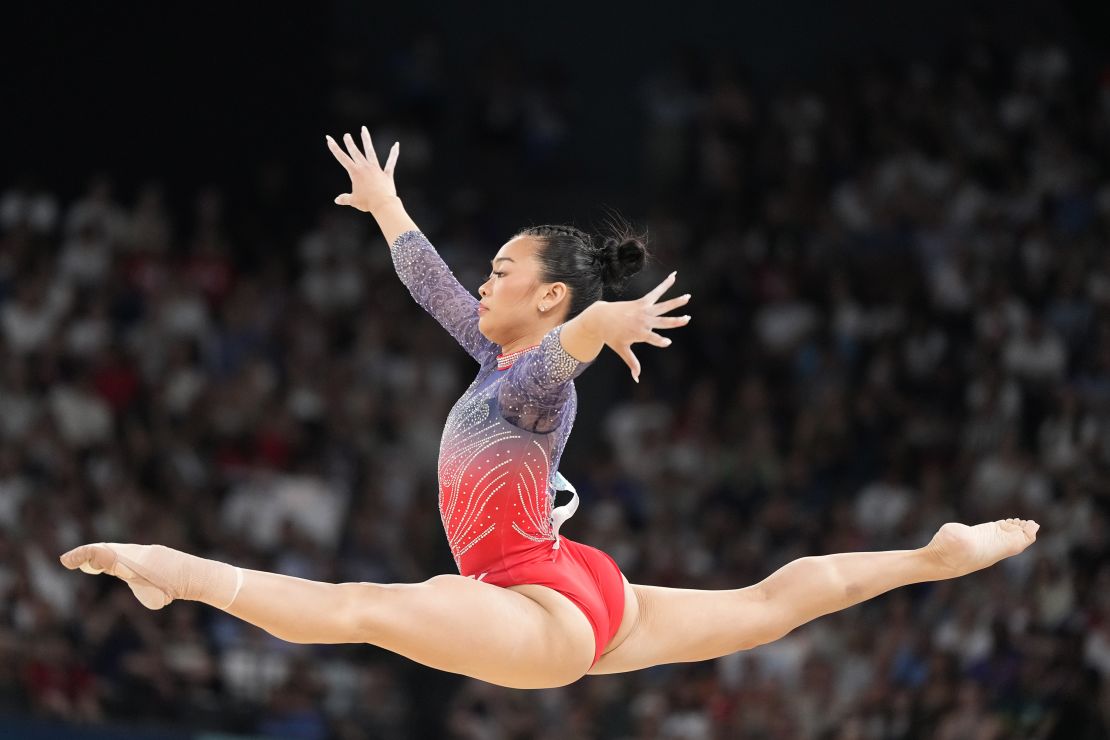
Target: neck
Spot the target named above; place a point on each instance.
(530, 340)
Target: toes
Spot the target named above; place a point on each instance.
(1027, 526)
(77, 557)
(89, 558)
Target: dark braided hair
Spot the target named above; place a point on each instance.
(587, 265)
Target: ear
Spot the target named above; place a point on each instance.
(555, 295)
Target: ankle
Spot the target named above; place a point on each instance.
(211, 581)
(933, 564)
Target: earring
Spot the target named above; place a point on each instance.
(543, 308)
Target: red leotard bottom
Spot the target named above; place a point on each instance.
(585, 575)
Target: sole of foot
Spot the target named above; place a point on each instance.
(963, 549)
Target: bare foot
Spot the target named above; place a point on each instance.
(961, 549)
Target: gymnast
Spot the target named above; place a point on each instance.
(531, 608)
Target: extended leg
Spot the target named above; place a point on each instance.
(448, 622)
(681, 625)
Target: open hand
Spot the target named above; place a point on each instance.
(370, 184)
(628, 322)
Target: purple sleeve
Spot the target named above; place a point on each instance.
(535, 394)
(438, 292)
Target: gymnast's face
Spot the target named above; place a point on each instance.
(511, 297)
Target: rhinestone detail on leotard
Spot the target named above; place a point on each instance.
(505, 361)
(503, 438)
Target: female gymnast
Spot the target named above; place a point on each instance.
(531, 608)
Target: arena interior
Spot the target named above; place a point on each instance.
(894, 221)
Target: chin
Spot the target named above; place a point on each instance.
(483, 327)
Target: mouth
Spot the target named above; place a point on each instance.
(482, 309)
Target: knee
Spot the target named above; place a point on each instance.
(766, 618)
(840, 584)
(363, 609)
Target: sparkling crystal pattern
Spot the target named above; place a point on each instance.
(438, 292)
(503, 438)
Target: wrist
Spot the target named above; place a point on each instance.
(382, 203)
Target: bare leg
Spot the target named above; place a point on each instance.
(680, 625)
(812, 587)
(158, 575)
(520, 637)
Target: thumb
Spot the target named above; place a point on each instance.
(343, 199)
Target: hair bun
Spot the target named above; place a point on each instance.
(588, 264)
(622, 256)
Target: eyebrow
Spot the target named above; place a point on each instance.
(495, 261)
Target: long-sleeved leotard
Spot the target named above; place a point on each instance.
(503, 439)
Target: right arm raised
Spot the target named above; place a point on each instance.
(432, 285)
(419, 266)
(392, 219)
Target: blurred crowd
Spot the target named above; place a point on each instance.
(901, 310)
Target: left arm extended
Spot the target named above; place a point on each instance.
(536, 395)
(620, 324)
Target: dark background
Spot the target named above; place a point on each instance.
(214, 94)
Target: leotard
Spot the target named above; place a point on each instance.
(500, 451)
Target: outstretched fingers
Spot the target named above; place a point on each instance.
(353, 157)
(353, 150)
(368, 146)
(346, 161)
(655, 321)
(669, 322)
(369, 182)
(653, 295)
(391, 161)
(372, 155)
(669, 305)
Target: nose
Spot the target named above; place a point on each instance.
(483, 289)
